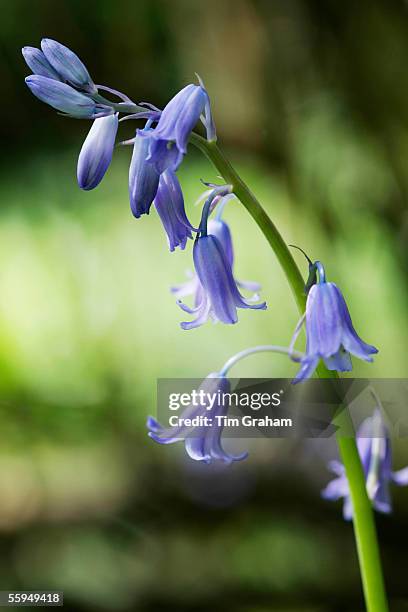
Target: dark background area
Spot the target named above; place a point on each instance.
(311, 102)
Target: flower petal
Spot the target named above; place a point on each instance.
(169, 204)
(400, 477)
(188, 117)
(203, 314)
(348, 509)
(164, 155)
(195, 448)
(143, 178)
(308, 366)
(336, 467)
(188, 288)
(219, 229)
(335, 489)
(215, 275)
(340, 361)
(213, 443)
(382, 498)
(180, 115)
(323, 322)
(248, 285)
(350, 339)
(174, 127)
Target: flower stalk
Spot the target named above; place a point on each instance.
(363, 516)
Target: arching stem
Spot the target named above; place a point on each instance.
(363, 517)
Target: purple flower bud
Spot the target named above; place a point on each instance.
(330, 332)
(36, 60)
(68, 65)
(65, 98)
(96, 152)
(374, 447)
(143, 178)
(169, 139)
(169, 204)
(203, 440)
(220, 294)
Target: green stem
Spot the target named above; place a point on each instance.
(363, 516)
(364, 528)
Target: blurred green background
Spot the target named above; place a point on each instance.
(311, 102)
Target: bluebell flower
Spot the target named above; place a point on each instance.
(221, 294)
(169, 203)
(219, 229)
(202, 442)
(96, 152)
(330, 334)
(36, 60)
(65, 98)
(143, 178)
(68, 65)
(216, 293)
(374, 447)
(168, 141)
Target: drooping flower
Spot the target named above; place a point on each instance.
(168, 141)
(169, 203)
(215, 275)
(374, 447)
(330, 334)
(214, 288)
(68, 65)
(202, 441)
(143, 178)
(96, 152)
(65, 98)
(219, 229)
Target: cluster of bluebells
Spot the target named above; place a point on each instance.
(61, 80)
